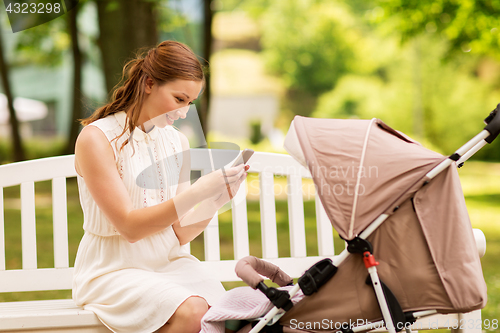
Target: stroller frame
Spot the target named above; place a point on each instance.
(487, 135)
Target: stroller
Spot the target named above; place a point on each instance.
(400, 208)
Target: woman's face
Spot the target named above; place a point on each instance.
(168, 102)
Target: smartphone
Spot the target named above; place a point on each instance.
(243, 157)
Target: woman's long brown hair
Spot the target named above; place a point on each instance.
(167, 62)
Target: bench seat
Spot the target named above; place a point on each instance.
(48, 316)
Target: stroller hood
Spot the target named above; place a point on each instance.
(426, 248)
(360, 167)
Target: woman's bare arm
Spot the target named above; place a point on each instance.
(95, 163)
(196, 219)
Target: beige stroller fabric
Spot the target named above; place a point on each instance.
(426, 248)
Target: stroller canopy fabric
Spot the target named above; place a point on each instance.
(426, 248)
(367, 155)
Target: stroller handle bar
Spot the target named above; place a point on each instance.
(250, 269)
(493, 124)
(487, 135)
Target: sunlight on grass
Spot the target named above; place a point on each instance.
(479, 178)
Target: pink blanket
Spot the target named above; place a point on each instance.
(238, 303)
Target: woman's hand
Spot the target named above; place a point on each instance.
(212, 185)
(196, 220)
(230, 191)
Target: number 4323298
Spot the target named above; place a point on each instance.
(33, 8)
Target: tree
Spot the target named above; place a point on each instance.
(41, 46)
(308, 43)
(77, 95)
(45, 45)
(453, 100)
(207, 52)
(18, 151)
(468, 25)
(125, 27)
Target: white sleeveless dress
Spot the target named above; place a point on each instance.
(137, 287)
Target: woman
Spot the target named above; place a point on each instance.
(131, 268)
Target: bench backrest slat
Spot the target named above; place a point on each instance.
(211, 233)
(211, 240)
(2, 232)
(268, 216)
(60, 222)
(296, 216)
(28, 225)
(240, 223)
(324, 230)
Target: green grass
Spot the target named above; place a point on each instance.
(481, 184)
(34, 147)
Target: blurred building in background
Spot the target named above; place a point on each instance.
(237, 115)
(245, 100)
(28, 112)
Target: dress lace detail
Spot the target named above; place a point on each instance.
(159, 175)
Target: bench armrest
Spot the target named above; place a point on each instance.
(480, 242)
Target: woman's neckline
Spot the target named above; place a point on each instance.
(138, 134)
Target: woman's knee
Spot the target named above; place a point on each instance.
(194, 306)
(191, 311)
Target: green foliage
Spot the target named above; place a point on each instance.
(490, 152)
(38, 147)
(468, 25)
(254, 8)
(256, 135)
(170, 17)
(309, 43)
(174, 24)
(344, 59)
(43, 45)
(453, 101)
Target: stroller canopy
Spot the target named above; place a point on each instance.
(362, 169)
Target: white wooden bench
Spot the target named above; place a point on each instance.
(65, 316)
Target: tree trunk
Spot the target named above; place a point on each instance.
(18, 151)
(125, 26)
(207, 52)
(77, 81)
